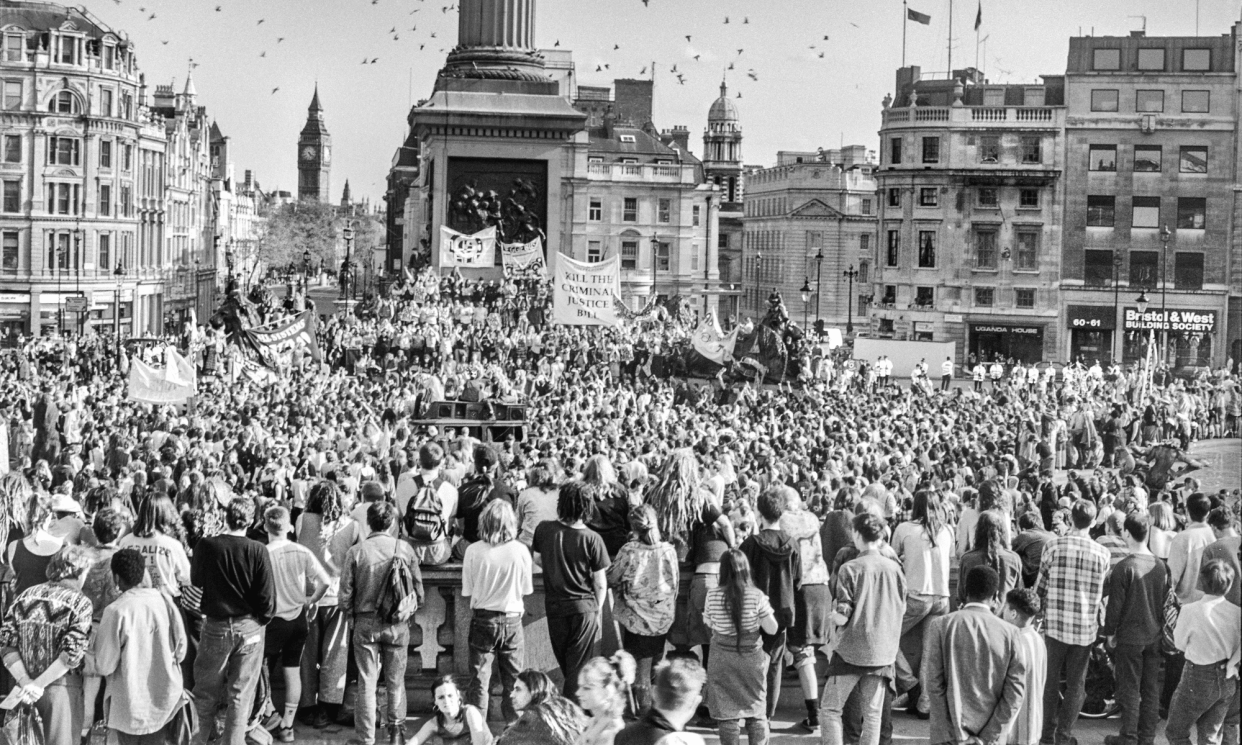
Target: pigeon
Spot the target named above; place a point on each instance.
(726, 19)
(152, 18)
(260, 23)
(598, 68)
(696, 57)
(274, 90)
(687, 38)
(615, 47)
(558, 43)
(739, 94)
(746, 19)
(643, 71)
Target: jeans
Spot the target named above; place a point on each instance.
(326, 657)
(61, 709)
(837, 690)
(1203, 698)
(852, 719)
(230, 660)
(920, 609)
(495, 635)
(1137, 670)
(774, 645)
(1233, 718)
(572, 638)
(756, 731)
(377, 643)
(1062, 706)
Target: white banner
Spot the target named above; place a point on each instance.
(524, 260)
(151, 385)
(713, 343)
(471, 251)
(583, 295)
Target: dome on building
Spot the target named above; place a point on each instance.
(723, 110)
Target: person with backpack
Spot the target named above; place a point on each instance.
(427, 503)
(378, 578)
(476, 492)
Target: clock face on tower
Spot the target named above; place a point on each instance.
(308, 152)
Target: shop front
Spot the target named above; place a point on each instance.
(990, 341)
(1185, 335)
(14, 316)
(1091, 332)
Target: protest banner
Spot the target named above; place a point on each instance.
(151, 385)
(476, 251)
(583, 295)
(524, 260)
(276, 341)
(713, 343)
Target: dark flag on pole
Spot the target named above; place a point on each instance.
(914, 15)
(979, 16)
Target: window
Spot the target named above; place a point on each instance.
(629, 212)
(1027, 255)
(629, 138)
(695, 215)
(64, 151)
(927, 249)
(67, 47)
(931, 149)
(1106, 59)
(629, 254)
(12, 245)
(1196, 102)
(14, 47)
(864, 270)
(988, 197)
(925, 297)
(64, 103)
(1151, 59)
(1100, 211)
(1148, 158)
(60, 254)
(127, 105)
(893, 248)
(1149, 101)
(929, 197)
(1028, 198)
(127, 201)
(894, 197)
(890, 295)
(866, 206)
(989, 149)
(663, 259)
(985, 297)
(1144, 268)
(1102, 157)
(12, 95)
(985, 249)
(127, 157)
(105, 200)
(1188, 271)
(1097, 267)
(595, 211)
(595, 252)
(12, 196)
(1031, 151)
(1024, 297)
(894, 150)
(105, 153)
(864, 244)
(665, 212)
(105, 102)
(1146, 212)
(12, 149)
(1191, 213)
(109, 57)
(1194, 159)
(1196, 60)
(1104, 99)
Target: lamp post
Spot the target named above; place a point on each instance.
(819, 279)
(1116, 301)
(806, 299)
(77, 272)
(306, 271)
(851, 274)
(119, 273)
(1142, 302)
(348, 233)
(1165, 235)
(655, 259)
(758, 279)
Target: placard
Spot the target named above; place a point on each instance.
(584, 292)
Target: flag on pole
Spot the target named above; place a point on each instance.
(914, 15)
(979, 16)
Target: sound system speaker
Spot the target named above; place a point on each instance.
(658, 366)
(442, 410)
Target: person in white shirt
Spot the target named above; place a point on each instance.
(1186, 550)
(977, 374)
(1209, 634)
(996, 372)
(946, 373)
(496, 576)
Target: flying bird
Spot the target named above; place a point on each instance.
(394, 30)
(821, 55)
(607, 66)
(687, 38)
(374, 60)
(825, 37)
(645, 3)
(558, 43)
(261, 20)
(746, 19)
(217, 8)
(643, 71)
(739, 52)
(274, 90)
(739, 94)
(433, 34)
(855, 25)
(598, 68)
(726, 19)
(674, 69)
(615, 47)
(262, 54)
(696, 57)
(420, 47)
(730, 65)
(164, 43)
(279, 39)
(152, 18)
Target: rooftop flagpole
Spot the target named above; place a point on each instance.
(905, 18)
(950, 39)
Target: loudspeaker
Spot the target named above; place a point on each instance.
(517, 412)
(441, 410)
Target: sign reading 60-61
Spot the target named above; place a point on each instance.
(1191, 321)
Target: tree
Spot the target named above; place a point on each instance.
(296, 228)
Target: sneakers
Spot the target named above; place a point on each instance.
(396, 734)
(283, 734)
(901, 702)
(808, 725)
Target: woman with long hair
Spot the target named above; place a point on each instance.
(991, 549)
(454, 721)
(1163, 527)
(537, 502)
(545, 717)
(29, 557)
(644, 579)
(604, 693)
(609, 505)
(737, 671)
(924, 544)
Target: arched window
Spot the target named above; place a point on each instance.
(64, 102)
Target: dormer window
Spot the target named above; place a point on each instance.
(629, 138)
(14, 47)
(109, 57)
(66, 50)
(630, 161)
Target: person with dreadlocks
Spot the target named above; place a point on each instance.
(923, 544)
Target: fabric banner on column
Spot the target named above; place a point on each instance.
(524, 260)
(475, 251)
(583, 294)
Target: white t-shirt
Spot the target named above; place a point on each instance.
(167, 563)
(927, 566)
(294, 567)
(496, 578)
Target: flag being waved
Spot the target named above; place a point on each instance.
(979, 16)
(175, 384)
(713, 343)
(914, 15)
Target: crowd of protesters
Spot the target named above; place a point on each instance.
(253, 556)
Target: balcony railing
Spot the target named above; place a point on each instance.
(985, 115)
(651, 172)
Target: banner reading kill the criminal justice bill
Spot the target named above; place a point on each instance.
(583, 295)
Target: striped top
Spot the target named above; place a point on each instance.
(45, 623)
(719, 620)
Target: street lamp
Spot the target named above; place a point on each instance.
(77, 273)
(119, 273)
(851, 274)
(1116, 300)
(819, 279)
(758, 279)
(1165, 235)
(1142, 302)
(348, 233)
(306, 270)
(655, 259)
(806, 299)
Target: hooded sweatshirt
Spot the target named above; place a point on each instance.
(776, 567)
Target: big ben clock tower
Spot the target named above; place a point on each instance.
(314, 155)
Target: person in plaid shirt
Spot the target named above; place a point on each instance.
(1070, 587)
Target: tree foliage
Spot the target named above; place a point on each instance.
(298, 227)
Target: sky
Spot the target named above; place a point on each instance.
(811, 73)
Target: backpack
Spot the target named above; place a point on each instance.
(398, 598)
(424, 516)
